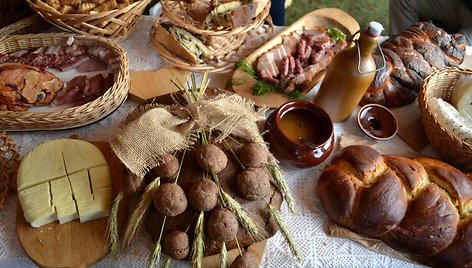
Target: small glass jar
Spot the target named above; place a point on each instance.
(300, 134)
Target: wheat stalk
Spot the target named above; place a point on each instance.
(283, 187)
(251, 227)
(233, 153)
(284, 229)
(198, 242)
(167, 263)
(223, 256)
(112, 234)
(138, 213)
(156, 255)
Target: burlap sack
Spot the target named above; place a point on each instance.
(157, 131)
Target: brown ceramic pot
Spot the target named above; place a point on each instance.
(300, 134)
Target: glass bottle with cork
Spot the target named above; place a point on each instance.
(349, 75)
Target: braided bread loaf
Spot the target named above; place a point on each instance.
(421, 206)
(410, 57)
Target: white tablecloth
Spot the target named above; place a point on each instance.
(308, 226)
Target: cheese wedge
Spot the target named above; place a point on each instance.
(56, 181)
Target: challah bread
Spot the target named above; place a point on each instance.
(410, 57)
(420, 206)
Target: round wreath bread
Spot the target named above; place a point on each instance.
(420, 206)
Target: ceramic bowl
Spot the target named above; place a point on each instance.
(377, 122)
(300, 134)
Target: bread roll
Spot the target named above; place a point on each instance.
(419, 206)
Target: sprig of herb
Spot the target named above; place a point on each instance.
(284, 229)
(336, 34)
(246, 67)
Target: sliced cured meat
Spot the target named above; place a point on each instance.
(269, 62)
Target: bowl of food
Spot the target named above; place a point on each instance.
(300, 134)
(377, 122)
(445, 104)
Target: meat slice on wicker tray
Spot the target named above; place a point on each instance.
(22, 86)
(301, 56)
(411, 56)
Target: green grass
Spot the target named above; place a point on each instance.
(363, 11)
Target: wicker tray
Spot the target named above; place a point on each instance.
(239, 47)
(115, 24)
(74, 116)
(31, 24)
(441, 84)
(177, 13)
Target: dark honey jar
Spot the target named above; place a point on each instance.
(300, 134)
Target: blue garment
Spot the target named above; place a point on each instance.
(277, 12)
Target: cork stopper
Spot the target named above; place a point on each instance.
(375, 28)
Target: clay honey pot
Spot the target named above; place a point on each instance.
(300, 134)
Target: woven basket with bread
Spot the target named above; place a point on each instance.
(418, 206)
(445, 103)
(108, 18)
(208, 35)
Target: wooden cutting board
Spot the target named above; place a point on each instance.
(72, 244)
(146, 84)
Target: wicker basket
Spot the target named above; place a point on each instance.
(441, 84)
(115, 24)
(74, 116)
(177, 13)
(31, 24)
(237, 48)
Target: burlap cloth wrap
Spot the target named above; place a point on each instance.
(155, 131)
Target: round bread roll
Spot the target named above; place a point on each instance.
(247, 260)
(222, 225)
(176, 245)
(254, 183)
(168, 169)
(211, 158)
(170, 200)
(203, 195)
(253, 155)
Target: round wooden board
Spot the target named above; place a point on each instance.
(323, 18)
(72, 244)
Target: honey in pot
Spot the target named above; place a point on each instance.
(302, 128)
(300, 134)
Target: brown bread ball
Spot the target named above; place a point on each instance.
(167, 170)
(253, 155)
(211, 158)
(176, 245)
(203, 195)
(254, 183)
(247, 260)
(131, 183)
(222, 225)
(170, 200)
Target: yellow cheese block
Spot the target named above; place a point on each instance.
(41, 216)
(55, 182)
(461, 97)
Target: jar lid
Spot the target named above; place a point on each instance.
(375, 28)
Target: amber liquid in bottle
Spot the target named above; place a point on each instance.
(343, 86)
